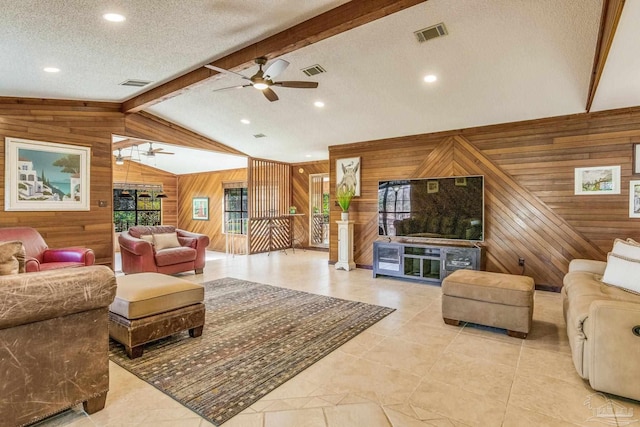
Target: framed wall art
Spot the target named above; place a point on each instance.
(200, 208)
(597, 180)
(45, 176)
(634, 199)
(636, 159)
(348, 173)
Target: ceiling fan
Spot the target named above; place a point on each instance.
(120, 158)
(151, 152)
(263, 80)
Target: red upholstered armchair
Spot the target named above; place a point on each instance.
(162, 249)
(38, 255)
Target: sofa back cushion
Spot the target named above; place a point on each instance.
(622, 272)
(140, 230)
(11, 258)
(34, 244)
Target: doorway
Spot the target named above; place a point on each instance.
(319, 208)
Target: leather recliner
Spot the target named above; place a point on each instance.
(40, 257)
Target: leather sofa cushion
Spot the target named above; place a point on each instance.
(146, 294)
(499, 288)
(173, 256)
(140, 230)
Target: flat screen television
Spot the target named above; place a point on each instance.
(449, 208)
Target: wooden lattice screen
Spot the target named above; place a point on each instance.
(269, 192)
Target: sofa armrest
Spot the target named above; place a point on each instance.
(614, 348)
(202, 240)
(134, 245)
(31, 264)
(588, 265)
(28, 298)
(72, 254)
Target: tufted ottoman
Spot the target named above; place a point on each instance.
(150, 306)
(492, 299)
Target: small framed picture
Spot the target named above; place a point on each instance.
(433, 186)
(636, 159)
(348, 173)
(634, 199)
(200, 208)
(597, 180)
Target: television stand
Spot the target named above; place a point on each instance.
(424, 262)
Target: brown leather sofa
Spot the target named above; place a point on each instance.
(140, 254)
(54, 342)
(40, 257)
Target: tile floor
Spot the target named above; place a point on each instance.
(408, 370)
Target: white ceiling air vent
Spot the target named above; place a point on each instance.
(432, 32)
(259, 135)
(313, 70)
(134, 83)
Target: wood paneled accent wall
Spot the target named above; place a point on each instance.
(269, 195)
(206, 185)
(300, 195)
(139, 173)
(87, 124)
(530, 207)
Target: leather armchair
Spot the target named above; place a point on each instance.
(139, 255)
(40, 257)
(55, 342)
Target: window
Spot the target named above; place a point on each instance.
(135, 210)
(235, 211)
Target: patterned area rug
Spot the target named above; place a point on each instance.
(256, 337)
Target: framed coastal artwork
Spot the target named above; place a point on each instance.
(634, 199)
(46, 176)
(200, 208)
(597, 180)
(348, 173)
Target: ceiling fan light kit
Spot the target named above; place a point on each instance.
(263, 79)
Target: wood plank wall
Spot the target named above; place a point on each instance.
(530, 208)
(144, 174)
(206, 185)
(87, 124)
(300, 195)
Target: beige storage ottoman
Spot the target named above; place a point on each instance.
(492, 299)
(150, 306)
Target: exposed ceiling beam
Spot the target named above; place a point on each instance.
(335, 21)
(611, 12)
(152, 128)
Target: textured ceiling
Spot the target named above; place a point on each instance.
(502, 61)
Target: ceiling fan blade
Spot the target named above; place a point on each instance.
(297, 84)
(277, 67)
(164, 152)
(232, 87)
(270, 95)
(222, 70)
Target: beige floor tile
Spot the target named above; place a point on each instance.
(406, 356)
(362, 343)
(246, 420)
(400, 419)
(300, 418)
(503, 352)
(473, 374)
(546, 335)
(458, 404)
(422, 333)
(552, 397)
(518, 417)
(553, 364)
(356, 415)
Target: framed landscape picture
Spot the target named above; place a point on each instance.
(45, 176)
(634, 199)
(597, 180)
(200, 208)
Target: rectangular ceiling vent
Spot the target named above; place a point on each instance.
(259, 135)
(134, 83)
(429, 33)
(313, 70)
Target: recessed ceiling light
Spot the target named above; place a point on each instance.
(430, 78)
(319, 104)
(51, 69)
(308, 155)
(245, 121)
(113, 17)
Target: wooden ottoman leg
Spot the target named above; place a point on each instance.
(134, 352)
(95, 404)
(516, 334)
(196, 332)
(451, 322)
